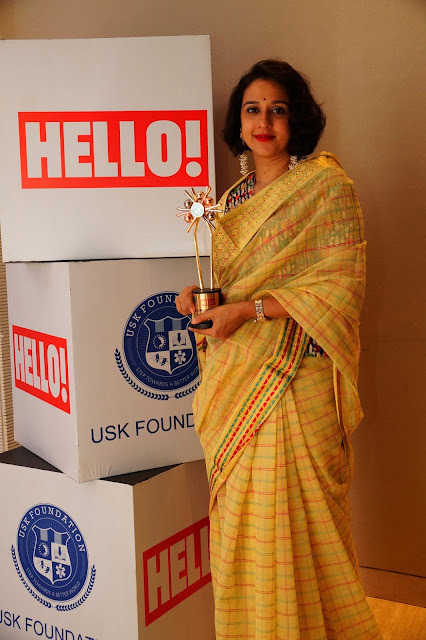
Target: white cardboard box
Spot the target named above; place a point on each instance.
(118, 559)
(6, 410)
(99, 138)
(103, 366)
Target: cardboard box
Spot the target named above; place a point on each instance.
(119, 559)
(99, 139)
(103, 366)
(6, 411)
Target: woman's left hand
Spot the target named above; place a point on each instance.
(226, 319)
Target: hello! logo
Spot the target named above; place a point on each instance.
(176, 568)
(51, 558)
(159, 351)
(95, 149)
(41, 366)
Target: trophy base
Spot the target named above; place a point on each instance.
(205, 300)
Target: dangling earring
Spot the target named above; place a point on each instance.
(243, 163)
(243, 159)
(294, 161)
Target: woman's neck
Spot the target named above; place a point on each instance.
(268, 170)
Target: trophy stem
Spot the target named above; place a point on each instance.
(197, 257)
(211, 259)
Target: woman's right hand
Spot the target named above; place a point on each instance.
(184, 302)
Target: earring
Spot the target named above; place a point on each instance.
(243, 163)
(243, 158)
(294, 161)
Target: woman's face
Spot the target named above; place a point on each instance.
(265, 119)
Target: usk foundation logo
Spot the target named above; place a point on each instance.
(51, 558)
(159, 351)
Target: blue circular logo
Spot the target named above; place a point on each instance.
(159, 349)
(52, 552)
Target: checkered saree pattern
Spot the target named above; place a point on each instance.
(278, 457)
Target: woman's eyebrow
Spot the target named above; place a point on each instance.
(272, 102)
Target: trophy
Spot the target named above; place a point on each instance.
(200, 206)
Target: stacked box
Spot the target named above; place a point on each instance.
(102, 140)
(7, 440)
(93, 166)
(104, 367)
(99, 140)
(124, 558)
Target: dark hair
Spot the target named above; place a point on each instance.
(307, 119)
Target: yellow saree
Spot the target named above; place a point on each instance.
(275, 425)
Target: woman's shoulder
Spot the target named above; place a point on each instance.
(241, 192)
(243, 184)
(329, 162)
(241, 180)
(330, 179)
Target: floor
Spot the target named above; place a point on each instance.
(399, 621)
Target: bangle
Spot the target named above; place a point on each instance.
(260, 313)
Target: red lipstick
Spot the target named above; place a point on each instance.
(264, 138)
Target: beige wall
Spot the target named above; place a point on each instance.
(364, 60)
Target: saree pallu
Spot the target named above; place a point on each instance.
(275, 426)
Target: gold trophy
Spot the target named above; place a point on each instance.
(200, 206)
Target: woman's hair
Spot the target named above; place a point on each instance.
(307, 119)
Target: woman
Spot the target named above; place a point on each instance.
(278, 399)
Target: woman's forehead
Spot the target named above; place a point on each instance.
(265, 90)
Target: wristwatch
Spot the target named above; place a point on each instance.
(260, 313)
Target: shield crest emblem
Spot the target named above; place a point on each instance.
(169, 344)
(50, 557)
